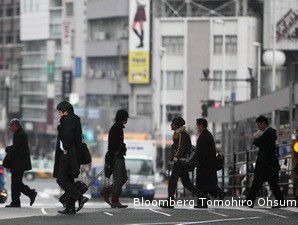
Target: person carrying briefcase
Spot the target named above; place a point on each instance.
(68, 157)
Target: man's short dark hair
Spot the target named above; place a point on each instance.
(178, 121)
(16, 122)
(121, 116)
(262, 119)
(65, 107)
(203, 122)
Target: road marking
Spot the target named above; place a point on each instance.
(219, 214)
(44, 211)
(272, 214)
(290, 209)
(200, 222)
(158, 212)
(109, 214)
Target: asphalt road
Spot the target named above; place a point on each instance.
(96, 212)
(101, 214)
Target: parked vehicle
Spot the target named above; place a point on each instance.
(40, 169)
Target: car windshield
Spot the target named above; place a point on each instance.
(139, 166)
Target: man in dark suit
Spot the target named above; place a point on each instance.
(68, 157)
(114, 160)
(206, 168)
(19, 162)
(267, 165)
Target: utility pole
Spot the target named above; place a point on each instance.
(164, 105)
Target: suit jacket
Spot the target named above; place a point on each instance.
(70, 133)
(19, 153)
(206, 167)
(267, 160)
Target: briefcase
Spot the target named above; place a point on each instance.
(81, 186)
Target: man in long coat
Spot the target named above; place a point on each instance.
(68, 157)
(206, 168)
(18, 161)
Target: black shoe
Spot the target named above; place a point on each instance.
(222, 196)
(200, 206)
(141, 45)
(278, 206)
(245, 204)
(33, 197)
(68, 211)
(166, 206)
(82, 201)
(11, 205)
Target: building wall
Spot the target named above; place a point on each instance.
(10, 57)
(35, 56)
(106, 76)
(197, 60)
(197, 35)
(246, 30)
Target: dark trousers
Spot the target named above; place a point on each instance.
(179, 171)
(258, 182)
(119, 177)
(66, 181)
(18, 187)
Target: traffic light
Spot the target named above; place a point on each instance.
(204, 110)
(295, 147)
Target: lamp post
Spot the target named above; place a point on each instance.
(223, 75)
(258, 45)
(163, 99)
(274, 54)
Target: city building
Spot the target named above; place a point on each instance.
(283, 14)
(40, 26)
(194, 49)
(107, 81)
(10, 57)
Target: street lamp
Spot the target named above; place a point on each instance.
(163, 98)
(223, 76)
(258, 45)
(274, 52)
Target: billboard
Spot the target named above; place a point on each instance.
(286, 22)
(139, 42)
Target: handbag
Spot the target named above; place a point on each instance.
(86, 156)
(7, 161)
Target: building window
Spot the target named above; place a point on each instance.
(173, 111)
(9, 39)
(9, 12)
(144, 105)
(230, 85)
(114, 101)
(174, 80)
(217, 44)
(231, 44)
(69, 9)
(173, 44)
(217, 83)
